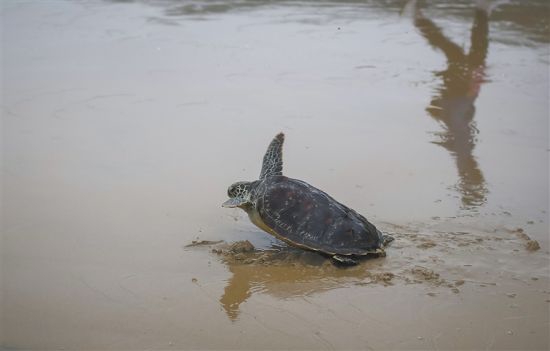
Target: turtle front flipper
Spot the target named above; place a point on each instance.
(273, 158)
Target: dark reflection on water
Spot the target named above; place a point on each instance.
(288, 273)
(453, 106)
(527, 20)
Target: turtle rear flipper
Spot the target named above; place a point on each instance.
(341, 260)
(386, 239)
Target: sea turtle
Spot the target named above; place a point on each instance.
(302, 215)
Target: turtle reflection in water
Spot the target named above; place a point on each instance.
(304, 216)
(287, 273)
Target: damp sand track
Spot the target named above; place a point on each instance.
(123, 124)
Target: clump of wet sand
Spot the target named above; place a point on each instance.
(426, 244)
(243, 252)
(529, 244)
(532, 245)
(423, 274)
(384, 278)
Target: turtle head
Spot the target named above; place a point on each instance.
(239, 195)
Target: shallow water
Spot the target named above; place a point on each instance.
(124, 122)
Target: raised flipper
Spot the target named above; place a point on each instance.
(273, 158)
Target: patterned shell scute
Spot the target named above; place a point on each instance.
(306, 216)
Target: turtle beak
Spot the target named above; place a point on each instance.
(233, 202)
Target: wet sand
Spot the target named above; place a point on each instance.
(123, 124)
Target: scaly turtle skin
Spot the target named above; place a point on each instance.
(302, 215)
